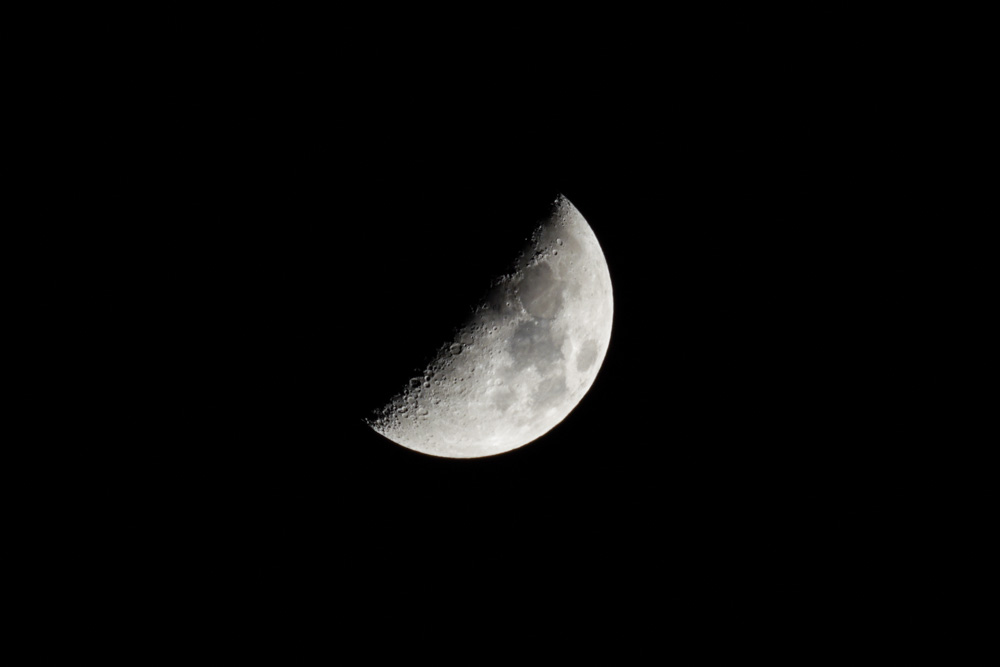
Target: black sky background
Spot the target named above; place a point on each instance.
(320, 284)
(305, 245)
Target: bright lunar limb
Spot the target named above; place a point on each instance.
(524, 359)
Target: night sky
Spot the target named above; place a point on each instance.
(260, 232)
(335, 288)
(304, 259)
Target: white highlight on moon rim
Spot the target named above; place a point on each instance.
(523, 361)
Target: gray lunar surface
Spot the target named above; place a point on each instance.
(523, 361)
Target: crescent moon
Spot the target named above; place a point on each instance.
(523, 361)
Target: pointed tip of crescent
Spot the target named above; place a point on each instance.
(562, 201)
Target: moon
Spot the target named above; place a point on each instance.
(524, 359)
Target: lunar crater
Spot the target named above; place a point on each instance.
(540, 292)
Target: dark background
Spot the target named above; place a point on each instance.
(291, 242)
(308, 288)
(253, 233)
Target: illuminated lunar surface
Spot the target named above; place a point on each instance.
(523, 361)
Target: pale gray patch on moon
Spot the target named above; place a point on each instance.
(534, 344)
(503, 399)
(549, 391)
(525, 359)
(587, 356)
